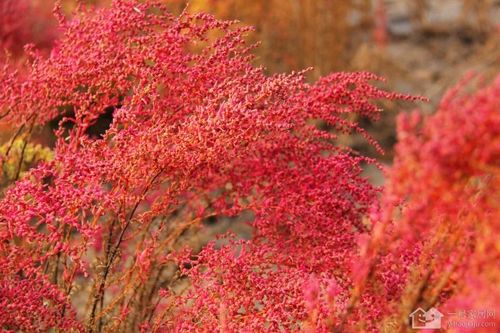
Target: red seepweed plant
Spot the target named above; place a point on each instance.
(443, 196)
(98, 239)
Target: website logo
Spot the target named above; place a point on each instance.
(430, 319)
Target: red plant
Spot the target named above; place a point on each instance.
(197, 131)
(446, 183)
(99, 238)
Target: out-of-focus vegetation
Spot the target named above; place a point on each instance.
(18, 156)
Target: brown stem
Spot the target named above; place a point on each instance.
(18, 132)
(107, 269)
(108, 249)
(21, 160)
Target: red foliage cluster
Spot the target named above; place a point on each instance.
(26, 21)
(197, 132)
(190, 117)
(446, 184)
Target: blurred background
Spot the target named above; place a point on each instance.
(421, 47)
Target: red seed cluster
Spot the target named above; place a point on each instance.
(99, 238)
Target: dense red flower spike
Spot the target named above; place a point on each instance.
(196, 131)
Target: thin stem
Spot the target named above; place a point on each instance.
(100, 292)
